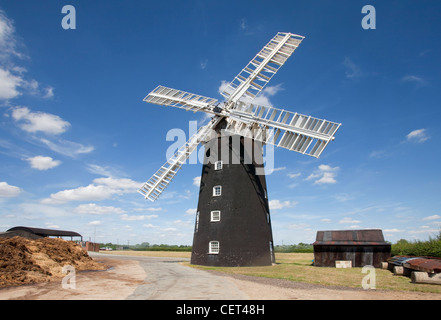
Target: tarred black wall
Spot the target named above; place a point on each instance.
(244, 231)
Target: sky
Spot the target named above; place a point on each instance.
(77, 141)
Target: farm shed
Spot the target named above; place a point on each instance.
(361, 247)
(36, 233)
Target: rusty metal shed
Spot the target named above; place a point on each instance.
(361, 247)
(35, 233)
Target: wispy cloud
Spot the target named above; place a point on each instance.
(417, 80)
(203, 64)
(126, 217)
(94, 209)
(434, 217)
(352, 70)
(262, 99)
(66, 147)
(418, 136)
(12, 76)
(243, 24)
(348, 220)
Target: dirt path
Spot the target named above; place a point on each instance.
(160, 278)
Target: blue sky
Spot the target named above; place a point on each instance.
(77, 141)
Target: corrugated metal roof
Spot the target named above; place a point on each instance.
(47, 232)
(373, 237)
(399, 260)
(423, 264)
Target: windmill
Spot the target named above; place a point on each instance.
(233, 225)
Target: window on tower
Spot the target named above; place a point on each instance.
(213, 247)
(218, 165)
(215, 216)
(217, 191)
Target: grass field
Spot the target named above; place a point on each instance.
(297, 267)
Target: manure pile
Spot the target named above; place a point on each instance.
(25, 261)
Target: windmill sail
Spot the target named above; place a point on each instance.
(180, 99)
(269, 125)
(289, 130)
(259, 71)
(160, 180)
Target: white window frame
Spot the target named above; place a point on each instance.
(213, 247)
(215, 216)
(215, 193)
(218, 165)
(197, 222)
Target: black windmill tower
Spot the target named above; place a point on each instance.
(233, 224)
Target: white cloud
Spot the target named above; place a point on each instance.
(419, 136)
(100, 189)
(8, 191)
(93, 208)
(52, 226)
(126, 217)
(95, 223)
(294, 175)
(43, 163)
(89, 193)
(12, 76)
(324, 175)
(277, 204)
(197, 181)
(348, 220)
(49, 124)
(149, 225)
(434, 217)
(39, 121)
(262, 98)
(9, 84)
(191, 211)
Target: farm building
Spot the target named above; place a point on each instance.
(361, 247)
(36, 233)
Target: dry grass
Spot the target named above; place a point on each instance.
(171, 254)
(297, 267)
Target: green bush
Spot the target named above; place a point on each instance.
(298, 248)
(429, 248)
